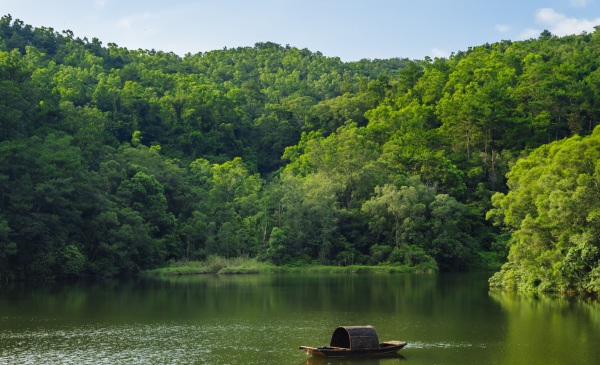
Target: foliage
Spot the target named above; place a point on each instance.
(215, 265)
(552, 209)
(116, 161)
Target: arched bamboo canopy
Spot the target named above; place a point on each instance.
(355, 338)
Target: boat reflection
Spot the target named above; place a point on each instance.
(371, 360)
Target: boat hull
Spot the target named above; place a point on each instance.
(385, 348)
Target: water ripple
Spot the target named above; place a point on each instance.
(128, 344)
(426, 345)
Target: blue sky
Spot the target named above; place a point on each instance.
(349, 29)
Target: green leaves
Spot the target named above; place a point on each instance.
(115, 160)
(401, 211)
(552, 208)
(422, 226)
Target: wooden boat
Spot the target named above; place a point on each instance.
(355, 341)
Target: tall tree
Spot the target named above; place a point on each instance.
(552, 211)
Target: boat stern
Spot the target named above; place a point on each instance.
(309, 350)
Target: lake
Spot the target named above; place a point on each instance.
(262, 319)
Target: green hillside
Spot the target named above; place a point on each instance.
(114, 161)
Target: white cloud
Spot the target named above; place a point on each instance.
(529, 33)
(436, 52)
(100, 3)
(579, 3)
(503, 28)
(560, 24)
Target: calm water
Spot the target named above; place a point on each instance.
(449, 319)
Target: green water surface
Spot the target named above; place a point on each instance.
(262, 319)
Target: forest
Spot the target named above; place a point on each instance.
(114, 161)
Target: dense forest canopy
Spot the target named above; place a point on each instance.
(114, 160)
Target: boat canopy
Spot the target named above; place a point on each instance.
(355, 338)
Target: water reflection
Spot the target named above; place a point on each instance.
(262, 319)
(376, 360)
(550, 324)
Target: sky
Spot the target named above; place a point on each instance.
(348, 29)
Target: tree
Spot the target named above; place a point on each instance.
(144, 194)
(8, 249)
(551, 210)
(234, 195)
(397, 215)
(452, 244)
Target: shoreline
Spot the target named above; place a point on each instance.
(244, 266)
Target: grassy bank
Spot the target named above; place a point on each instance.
(219, 265)
(216, 265)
